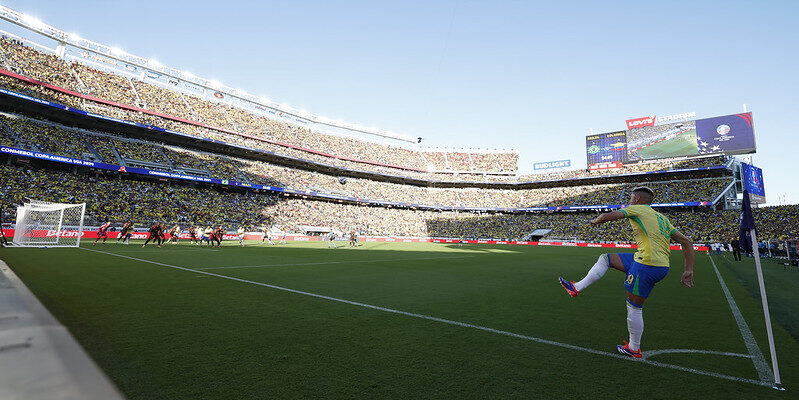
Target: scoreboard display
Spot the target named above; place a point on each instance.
(608, 147)
(651, 138)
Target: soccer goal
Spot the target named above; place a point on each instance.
(46, 224)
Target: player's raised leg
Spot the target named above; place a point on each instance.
(597, 271)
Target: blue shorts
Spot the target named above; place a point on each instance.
(641, 278)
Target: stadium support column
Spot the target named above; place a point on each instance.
(60, 50)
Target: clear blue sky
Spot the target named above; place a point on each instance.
(490, 74)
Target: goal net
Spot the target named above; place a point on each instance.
(45, 224)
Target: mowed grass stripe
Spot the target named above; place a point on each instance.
(335, 262)
(456, 323)
(496, 292)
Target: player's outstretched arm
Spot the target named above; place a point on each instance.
(688, 252)
(606, 217)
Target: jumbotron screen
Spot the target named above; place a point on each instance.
(728, 134)
(606, 148)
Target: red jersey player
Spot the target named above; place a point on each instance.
(103, 232)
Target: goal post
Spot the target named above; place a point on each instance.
(46, 224)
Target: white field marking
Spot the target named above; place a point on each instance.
(652, 353)
(456, 323)
(763, 370)
(333, 262)
(161, 250)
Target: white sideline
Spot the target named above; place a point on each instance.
(333, 262)
(456, 323)
(652, 353)
(763, 370)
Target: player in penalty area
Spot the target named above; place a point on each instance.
(653, 234)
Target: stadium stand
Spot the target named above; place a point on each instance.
(59, 140)
(109, 197)
(76, 77)
(107, 86)
(430, 158)
(37, 64)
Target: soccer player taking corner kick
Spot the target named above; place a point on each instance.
(650, 264)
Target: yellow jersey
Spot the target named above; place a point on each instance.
(652, 234)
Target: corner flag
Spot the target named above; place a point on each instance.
(749, 242)
(747, 224)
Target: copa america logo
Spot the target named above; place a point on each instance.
(723, 129)
(755, 178)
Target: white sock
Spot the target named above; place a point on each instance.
(596, 272)
(635, 325)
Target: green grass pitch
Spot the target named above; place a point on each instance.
(683, 145)
(449, 322)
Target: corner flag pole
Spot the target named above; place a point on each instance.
(748, 225)
(772, 349)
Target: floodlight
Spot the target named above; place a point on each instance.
(34, 22)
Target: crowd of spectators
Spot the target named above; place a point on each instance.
(48, 138)
(162, 100)
(8, 137)
(109, 197)
(69, 142)
(293, 214)
(81, 78)
(429, 157)
(779, 222)
(36, 64)
(104, 148)
(182, 159)
(697, 190)
(40, 92)
(139, 150)
(438, 160)
(106, 86)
